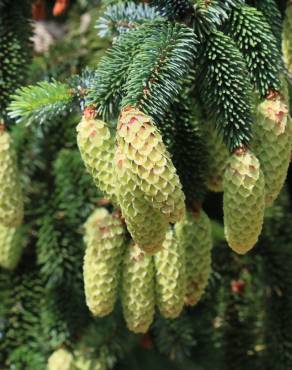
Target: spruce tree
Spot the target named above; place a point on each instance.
(106, 173)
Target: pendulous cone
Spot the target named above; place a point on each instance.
(243, 200)
(194, 234)
(105, 240)
(148, 163)
(271, 144)
(97, 148)
(170, 277)
(10, 247)
(146, 224)
(137, 290)
(11, 199)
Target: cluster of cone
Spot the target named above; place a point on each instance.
(136, 173)
(165, 261)
(11, 204)
(252, 178)
(174, 276)
(158, 264)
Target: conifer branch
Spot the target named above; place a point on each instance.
(15, 48)
(123, 17)
(106, 90)
(164, 60)
(184, 139)
(179, 10)
(174, 338)
(204, 16)
(73, 192)
(271, 11)
(41, 102)
(259, 49)
(22, 336)
(224, 90)
(275, 249)
(210, 15)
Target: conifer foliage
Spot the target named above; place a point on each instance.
(15, 50)
(115, 164)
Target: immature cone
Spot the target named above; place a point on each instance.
(10, 247)
(170, 277)
(146, 225)
(243, 200)
(11, 200)
(138, 289)
(148, 163)
(104, 240)
(218, 158)
(194, 235)
(97, 151)
(61, 359)
(272, 144)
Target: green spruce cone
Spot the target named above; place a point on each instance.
(194, 234)
(271, 144)
(97, 151)
(104, 240)
(243, 201)
(148, 163)
(170, 277)
(138, 293)
(11, 200)
(146, 225)
(10, 247)
(218, 158)
(61, 359)
(286, 38)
